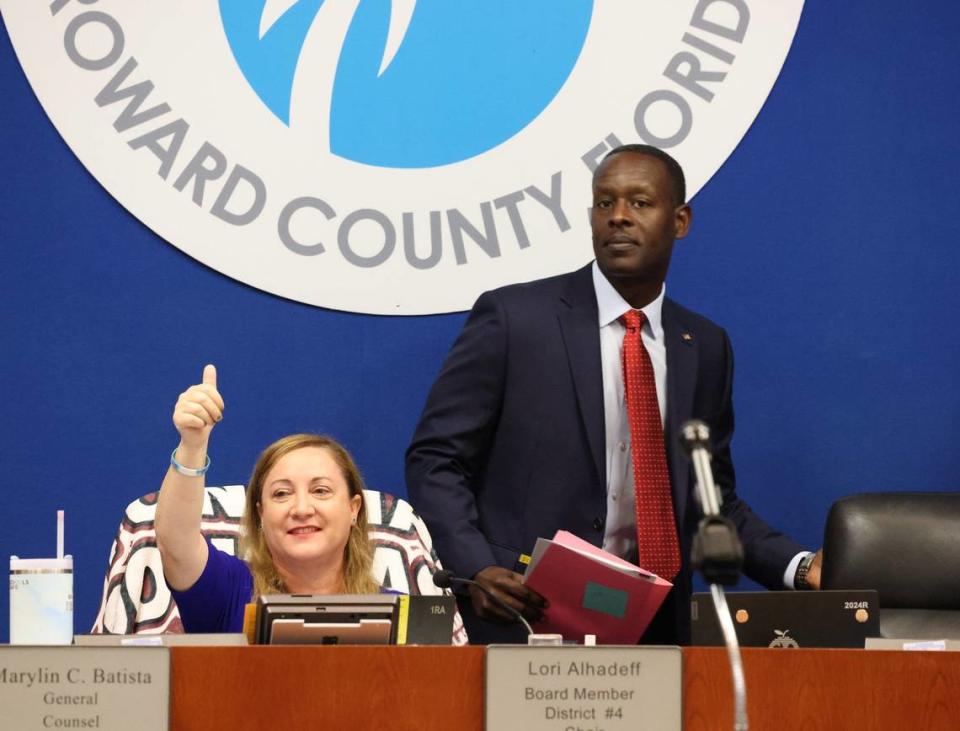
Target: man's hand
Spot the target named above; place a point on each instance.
(507, 586)
(813, 574)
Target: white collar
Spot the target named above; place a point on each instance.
(610, 305)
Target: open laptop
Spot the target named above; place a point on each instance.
(790, 618)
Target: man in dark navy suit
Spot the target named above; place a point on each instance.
(526, 430)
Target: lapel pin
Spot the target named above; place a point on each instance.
(686, 337)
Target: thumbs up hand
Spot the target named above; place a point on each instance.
(198, 409)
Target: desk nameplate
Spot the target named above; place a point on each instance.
(603, 688)
(84, 687)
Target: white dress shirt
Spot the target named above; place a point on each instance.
(620, 534)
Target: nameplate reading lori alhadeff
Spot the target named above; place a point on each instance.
(84, 687)
(571, 688)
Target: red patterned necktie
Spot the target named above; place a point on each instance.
(656, 527)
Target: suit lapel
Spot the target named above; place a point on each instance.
(578, 318)
(682, 357)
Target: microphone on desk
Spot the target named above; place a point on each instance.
(695, 440)
(445, 579)
(717, 553)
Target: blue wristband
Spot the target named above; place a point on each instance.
(188, 471)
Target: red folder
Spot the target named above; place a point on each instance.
(592, 592)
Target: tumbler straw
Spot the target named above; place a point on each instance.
(59, 534)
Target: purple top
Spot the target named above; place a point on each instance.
(216, 601)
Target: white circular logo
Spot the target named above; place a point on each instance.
(390, 156)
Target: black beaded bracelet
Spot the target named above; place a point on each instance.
(800, 579)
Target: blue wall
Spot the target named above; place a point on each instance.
(827, 244)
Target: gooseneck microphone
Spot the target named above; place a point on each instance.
(717, 551)
(718, 554)
(695, 439)
(445, 579)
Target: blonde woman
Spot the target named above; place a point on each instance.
(304, 525)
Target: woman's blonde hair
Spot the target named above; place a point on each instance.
(357, 554)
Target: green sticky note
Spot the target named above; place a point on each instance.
(604, 599)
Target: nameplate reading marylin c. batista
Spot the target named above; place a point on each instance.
(84, 687)
(570, 688)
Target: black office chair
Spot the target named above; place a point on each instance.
(906, 545)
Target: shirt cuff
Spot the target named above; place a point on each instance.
(790, 574)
